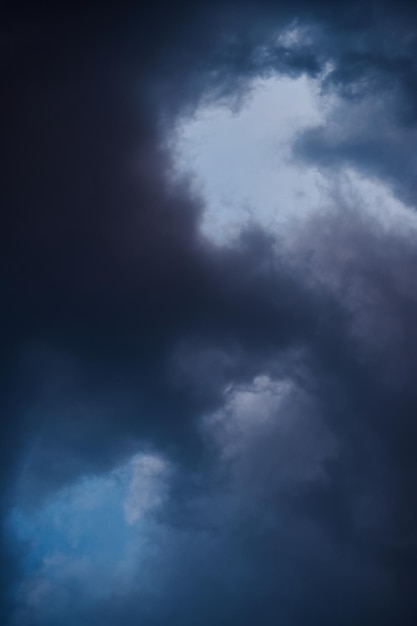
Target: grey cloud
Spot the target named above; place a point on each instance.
(120, 324)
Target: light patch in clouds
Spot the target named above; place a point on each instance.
(243, 163)
(246, 411)
(147, 488)
(269, 432)
(376, 200)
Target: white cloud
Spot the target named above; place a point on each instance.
(242, 161)
(244, 167)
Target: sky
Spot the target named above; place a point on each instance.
(209, 247)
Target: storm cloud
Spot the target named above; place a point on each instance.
(193, 431)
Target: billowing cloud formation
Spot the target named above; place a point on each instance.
(197, 433)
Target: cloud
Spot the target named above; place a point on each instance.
(147, 490)
(276, 376)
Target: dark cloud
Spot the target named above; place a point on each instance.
(281, 384)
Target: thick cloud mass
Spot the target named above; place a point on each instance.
(268, 383)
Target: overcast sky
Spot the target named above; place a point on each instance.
(209, 342)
